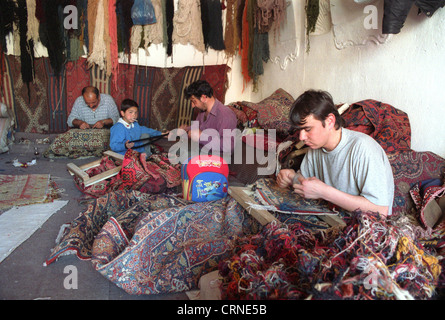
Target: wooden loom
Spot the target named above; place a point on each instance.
(240, 194)
(79, 171)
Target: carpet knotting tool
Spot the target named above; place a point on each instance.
(150, 140)
(275, 209)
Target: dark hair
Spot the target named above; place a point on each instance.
(319, 104)
(127, 104)
(91, 89)
(198, 88)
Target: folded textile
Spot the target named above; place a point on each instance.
(154, 174)
(77, 143)
(389, 126)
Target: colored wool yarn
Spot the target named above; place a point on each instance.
(369, 259)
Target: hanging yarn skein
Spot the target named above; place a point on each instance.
(187, 28)
(52, 32)
(26, 46)
(269, 14)
(312, 11)
(212, 29)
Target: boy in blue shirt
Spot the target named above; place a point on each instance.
(127, 129)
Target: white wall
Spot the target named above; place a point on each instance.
(407, 72)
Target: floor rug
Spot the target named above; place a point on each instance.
(19, 223)
(19, 190)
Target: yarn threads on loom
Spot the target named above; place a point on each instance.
(368, 260)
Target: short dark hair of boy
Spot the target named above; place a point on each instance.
(319, 104)
(128, 103)
(198, 88)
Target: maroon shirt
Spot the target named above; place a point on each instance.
(219, 118)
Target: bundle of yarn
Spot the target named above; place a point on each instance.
(369, 259)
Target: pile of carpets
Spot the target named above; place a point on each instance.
(369, 259)
(153, 175)
(154, 243)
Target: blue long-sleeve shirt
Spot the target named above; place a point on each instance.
(122, 132)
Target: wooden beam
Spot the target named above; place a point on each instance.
(75, 170)
(264, 217)
(86, 179)
(102, 176)
(115, 155)
(239, 194)
(333, 221)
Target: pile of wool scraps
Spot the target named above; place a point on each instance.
(368, 260)
(273, 264)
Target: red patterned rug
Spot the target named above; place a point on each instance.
(20, 190)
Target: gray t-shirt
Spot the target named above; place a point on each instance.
(357, 166)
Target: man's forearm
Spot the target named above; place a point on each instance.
(108, 122)
(350, 202)
(77, 123)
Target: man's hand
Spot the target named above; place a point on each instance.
(84, 125)
(129, 144)
(285, 178)
(310, 188)
(98, 125)
(194, 134)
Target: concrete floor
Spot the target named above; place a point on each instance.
(22, 274)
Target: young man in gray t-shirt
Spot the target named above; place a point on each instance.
(347, 168)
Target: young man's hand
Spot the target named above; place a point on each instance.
(285, 178)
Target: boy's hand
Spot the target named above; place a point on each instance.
(129, 144)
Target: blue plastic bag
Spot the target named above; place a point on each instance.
(143, 12)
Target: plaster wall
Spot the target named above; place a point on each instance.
(407, 71)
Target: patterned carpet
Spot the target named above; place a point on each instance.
(20, 190)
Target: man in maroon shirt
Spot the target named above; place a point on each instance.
(216, 121)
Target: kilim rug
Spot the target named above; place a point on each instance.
(45, 104)
(77, 77)
(20, 190)
(77, 143)
(31, 103)
(56, 97)
(159, 93)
